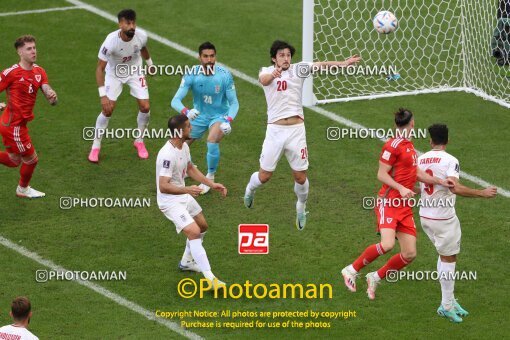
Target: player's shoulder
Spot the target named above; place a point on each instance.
(451, 158)
(140, 33)
(394, 143)
(222, 70)
(112, 36)
(38, 68)
(11, 70)
(267, 69)
(425, 155)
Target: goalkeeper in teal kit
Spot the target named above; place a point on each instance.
(215, 104)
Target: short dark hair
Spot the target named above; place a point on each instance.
(403, 117)
(21, 41)
(20, 308)
(206, 46)
(176, 123)
(280, 45)
(439, 134)
(127, 14)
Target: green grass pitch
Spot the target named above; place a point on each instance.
(144, 244)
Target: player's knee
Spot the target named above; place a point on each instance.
(300, 178)
(203, 227)
(388, 245)
(409, 255)
(108, 112)
(31, 159)
(145, 108)
(15, 160)
(265, 176)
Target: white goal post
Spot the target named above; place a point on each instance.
(439, 46)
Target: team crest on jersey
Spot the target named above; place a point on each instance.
(104, 50)
(388, 220)
(217, 89)
(457, 167)
(166, 164)
(38, 78)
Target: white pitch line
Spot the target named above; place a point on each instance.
(251, 80)
(44, 10)
(101, 290)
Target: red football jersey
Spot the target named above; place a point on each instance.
(400, 154)
(22, 86)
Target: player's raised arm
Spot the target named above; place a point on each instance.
(266, 77)
(181, 93)
(328, 64)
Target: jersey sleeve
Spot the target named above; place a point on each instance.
(5, 80)
(231, 96)
(265, 70)
(453, 169)
(105, 51)
(388, 155)
(186, 83)
(44, 77)
(166, 166)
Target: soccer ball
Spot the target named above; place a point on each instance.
(385, 22)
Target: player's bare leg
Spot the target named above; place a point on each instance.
(213, 153)
(407, 254)
(101, 125)
(372, 252)
(256, 181)
(193, 233)
(187, 262)
(142, 121)
(28, 164)
(301, 186)
(449, 307)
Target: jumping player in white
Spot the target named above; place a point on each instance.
(438, 218)
(285, 134)
(120, 54)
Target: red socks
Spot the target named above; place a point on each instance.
(396, 262)
(26, 172)
(370, 254)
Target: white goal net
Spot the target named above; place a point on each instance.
(440, 45)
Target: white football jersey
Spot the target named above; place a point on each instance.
(172, 162)
(440, 200)
(283, 95)
(15, 332)
(116, 51)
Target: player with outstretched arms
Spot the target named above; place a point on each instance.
(285, 134)
(21, 82)
(439, 219)
(398, 172)
(215, 104)
(177, 201)
(120, 62)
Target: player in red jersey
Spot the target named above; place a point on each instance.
(22, 81)
(398, 171)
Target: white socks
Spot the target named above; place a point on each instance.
(253, 184)
(200, 256)
(446, 273)
(101, 125)
(143, 122)
(301, 191)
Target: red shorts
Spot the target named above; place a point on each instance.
(399, 219)
(17, 140)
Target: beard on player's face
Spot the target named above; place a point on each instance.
(130, 33)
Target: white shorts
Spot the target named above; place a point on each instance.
(444, 234)
(181, 213)
(137, 84)
(287, 139)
